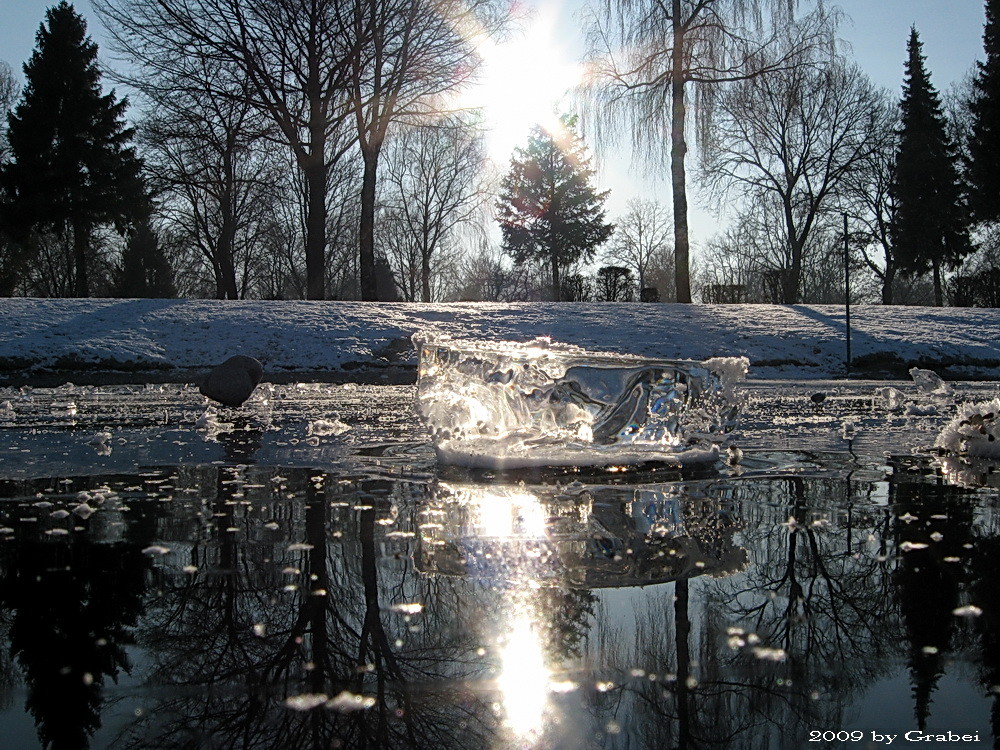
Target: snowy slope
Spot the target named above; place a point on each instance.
(174, 339)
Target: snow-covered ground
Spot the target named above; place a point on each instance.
(179, 339)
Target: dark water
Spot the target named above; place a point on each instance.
(261, 585)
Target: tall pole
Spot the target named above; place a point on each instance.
(847, 294)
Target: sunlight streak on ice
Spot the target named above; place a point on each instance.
(524, 678)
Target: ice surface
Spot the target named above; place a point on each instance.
(508, 405)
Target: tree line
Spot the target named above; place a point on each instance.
(314, 150)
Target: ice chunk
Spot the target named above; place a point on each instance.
(929, 382)
(506, 404)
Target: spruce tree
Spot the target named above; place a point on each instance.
(548, 210)
(929, 231)
(984, 143)
(144, 271)
(72, 168)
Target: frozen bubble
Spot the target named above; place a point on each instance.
(156, 550)
(327, 427)
(260, 629)
(410, 608)
(907, 546)
(299, 547)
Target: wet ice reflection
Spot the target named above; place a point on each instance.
(377, 603)
(523, 681)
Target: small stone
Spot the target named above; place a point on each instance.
(232, 382)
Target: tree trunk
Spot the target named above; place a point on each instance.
(315, 174)
(678, 151)
(682, 632)
(81, 238)
(366, 230)
(556, 291)
(887, 281)
(938, 294)
(425, 275)
(227, 233)
(792, 277)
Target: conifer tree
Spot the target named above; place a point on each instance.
(984, 143)
(929, 231)
(548, 210)
(72, 168)
(144, 271)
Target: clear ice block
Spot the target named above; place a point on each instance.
(512, 405)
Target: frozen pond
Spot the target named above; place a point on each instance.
(300, 573)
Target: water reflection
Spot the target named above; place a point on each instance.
(244, 605)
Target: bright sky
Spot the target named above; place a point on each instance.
(532, 71)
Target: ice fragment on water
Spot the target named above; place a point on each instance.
(514, 404)
(929, 382)
(347, 701)
(305, 701)
(970, 610)
(893, 397)
(327, 427)
(83, 511)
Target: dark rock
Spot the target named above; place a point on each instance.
(818, 398)
(232, 382)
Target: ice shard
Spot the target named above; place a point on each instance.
(511, 405)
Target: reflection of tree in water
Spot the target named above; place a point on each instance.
(775, 651)
(72, 606)
(933, 524)
(986, 592)
(260, 621)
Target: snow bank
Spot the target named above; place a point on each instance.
(175, 339)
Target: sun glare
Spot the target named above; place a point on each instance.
(525, 81)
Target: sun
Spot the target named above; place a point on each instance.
(525, 81)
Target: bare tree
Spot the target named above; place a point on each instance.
(296, 59)
(869, 202)
(11, 253)
(414, 53)
(642, 236)
(645, 54)
(794, 135)
(434, 184)
(214, 170)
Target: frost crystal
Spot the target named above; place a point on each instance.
(973, 432)
(505, 404)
